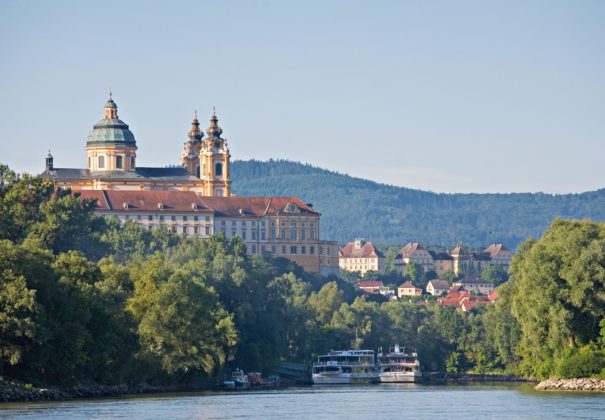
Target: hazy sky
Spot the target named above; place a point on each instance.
(440, 95)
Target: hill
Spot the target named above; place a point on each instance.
(353, 207)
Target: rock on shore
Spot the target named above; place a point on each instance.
(573, 384)
(13, 392)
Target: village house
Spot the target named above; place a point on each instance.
(437, 287)
(360, 256)
(371, 287)
(476, 286)
(408, 289)
(416, 253)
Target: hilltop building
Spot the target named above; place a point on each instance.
(194, 199)
(362, 257)
(112, 161)
(416, 253)
(458, 259)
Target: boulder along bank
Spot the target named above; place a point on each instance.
(15, 392)
(573, 384)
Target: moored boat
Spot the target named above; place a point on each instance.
(398, 366)
(240, 380)
(345, 367)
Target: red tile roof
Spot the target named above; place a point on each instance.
(493, 296)
(409, 249)
(183, 201)
(368, 250)
(494, 249)
(407, 285)
(368, 284)
(255, 206)
(180, 201)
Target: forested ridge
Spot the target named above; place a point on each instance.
(353, 207)
(84, 299)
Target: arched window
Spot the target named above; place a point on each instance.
(302, 231)
(293, 231)
(197, 170)
(283, 231)
(218, 169)
(311, 231)
(131, 162)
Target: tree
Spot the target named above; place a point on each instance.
(494, 274)
(558, 292)
(182, 324)
(17, 324)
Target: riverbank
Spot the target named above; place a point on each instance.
(16, 392)
(573, 384)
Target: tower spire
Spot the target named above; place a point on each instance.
(214, 131)
(195, 134)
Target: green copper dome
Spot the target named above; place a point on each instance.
(111, 131)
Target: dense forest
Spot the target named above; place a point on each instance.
(84, 299)
(353, 207)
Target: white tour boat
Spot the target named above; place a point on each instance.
(345, 367)
(398, 366)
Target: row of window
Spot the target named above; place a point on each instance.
(173, 218)
(186, 230)
(283, 249)
(118, 160)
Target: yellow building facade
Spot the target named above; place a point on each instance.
(111, 152)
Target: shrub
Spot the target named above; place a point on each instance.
(580, 363)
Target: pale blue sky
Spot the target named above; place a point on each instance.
(440, 95)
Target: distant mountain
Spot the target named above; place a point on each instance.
(353, 207)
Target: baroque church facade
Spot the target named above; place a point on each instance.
(111, 151)
(194, 199)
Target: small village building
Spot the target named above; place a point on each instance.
(416, 253)
(477, 286)
(371, 287)
(408, 289)
(360, 256)
(500, 255)
(437, 287)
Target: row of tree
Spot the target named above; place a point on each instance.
(85, 299)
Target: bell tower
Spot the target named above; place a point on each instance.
(190, 158)
(214, 161)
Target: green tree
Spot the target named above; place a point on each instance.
(558, 292)
(495, 274)
(181, 323)
(17, 324)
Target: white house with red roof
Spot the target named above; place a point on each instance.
(360, 256)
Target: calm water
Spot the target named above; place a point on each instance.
(326, 402)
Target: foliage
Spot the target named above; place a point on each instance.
(582, 362)
(557, 293)
(495, 274)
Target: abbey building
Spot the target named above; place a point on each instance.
(194, 199)
(111, 151)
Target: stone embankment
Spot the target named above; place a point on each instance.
(13, 392)
(573, 384)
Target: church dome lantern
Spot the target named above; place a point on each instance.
(111, 145)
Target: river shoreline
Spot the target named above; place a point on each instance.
(572, 384)
(11, 392)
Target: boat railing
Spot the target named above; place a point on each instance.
(342, 363)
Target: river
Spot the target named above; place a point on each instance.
(331, 402)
